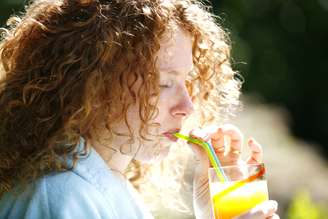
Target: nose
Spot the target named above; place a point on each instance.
(184, 106)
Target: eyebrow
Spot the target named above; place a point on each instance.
(174, 72)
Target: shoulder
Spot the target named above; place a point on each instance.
(60, 195)
(64, 184)
(72, 196)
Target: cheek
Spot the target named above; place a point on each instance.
(133, 117)
(164, 105)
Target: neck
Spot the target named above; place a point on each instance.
(119, 162)
(115, 160)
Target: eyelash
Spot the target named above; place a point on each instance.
(166, 85)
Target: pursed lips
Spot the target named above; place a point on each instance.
(169, 134)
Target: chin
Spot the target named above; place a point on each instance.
(155, 158)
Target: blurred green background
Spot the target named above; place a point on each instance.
(280, 47)
(284, 45)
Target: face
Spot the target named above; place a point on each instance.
(174, 62)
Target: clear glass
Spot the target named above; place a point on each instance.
(245, 188)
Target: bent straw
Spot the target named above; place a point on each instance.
(241, 183)
(210, 153)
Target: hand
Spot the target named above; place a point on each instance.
(265, 210)
(227, 152)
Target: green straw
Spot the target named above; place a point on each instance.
(210, 153)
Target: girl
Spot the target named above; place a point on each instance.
(90, 86)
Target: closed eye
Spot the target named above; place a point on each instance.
(164, 86)
(167, 84)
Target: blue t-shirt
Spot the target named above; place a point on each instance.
(89, 191)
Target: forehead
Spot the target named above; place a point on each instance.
(175, 52)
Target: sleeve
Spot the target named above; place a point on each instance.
(58, 198)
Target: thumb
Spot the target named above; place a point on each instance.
(198, 151)
(263, 210)
(199, 154)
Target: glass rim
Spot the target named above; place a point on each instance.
(238, 165)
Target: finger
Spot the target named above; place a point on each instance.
(217, 141)
(200, 154)
(200, 134)
(274, 216)
(264, 210)
(205, 134)
(235, 139)
(235, 144)
(256, 151)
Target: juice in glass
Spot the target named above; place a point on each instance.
(229, 200)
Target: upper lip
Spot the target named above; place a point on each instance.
(170, 133)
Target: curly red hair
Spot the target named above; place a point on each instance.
(63, 63)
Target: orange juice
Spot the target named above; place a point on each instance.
(238, 201)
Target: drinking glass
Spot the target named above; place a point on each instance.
(244, 188)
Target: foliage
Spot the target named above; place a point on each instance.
(302, 207)
(280, 48)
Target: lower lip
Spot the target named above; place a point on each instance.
(171, 137)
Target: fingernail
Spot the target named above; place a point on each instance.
(274, 204)
(199, 133)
